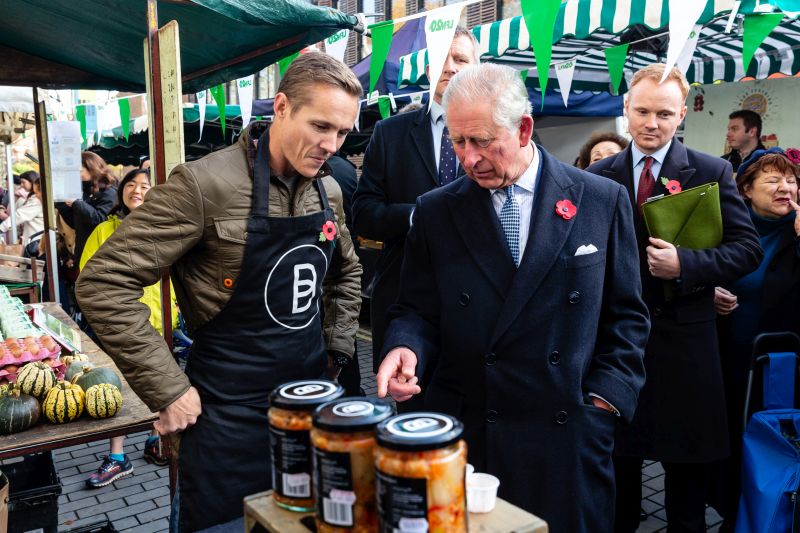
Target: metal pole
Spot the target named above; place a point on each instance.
(48, 209)
(12, 204)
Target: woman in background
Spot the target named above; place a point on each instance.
(132, 193)
(600, 145)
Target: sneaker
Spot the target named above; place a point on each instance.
(153, 453)
(109, 472)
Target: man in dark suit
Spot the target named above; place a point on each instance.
(408, 155)
(520, 289)
(681, 419)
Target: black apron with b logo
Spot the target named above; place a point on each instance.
(268, 333)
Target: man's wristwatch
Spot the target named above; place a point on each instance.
(339, 359)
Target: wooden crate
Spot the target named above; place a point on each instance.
(506, 518)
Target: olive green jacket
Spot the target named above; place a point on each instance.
(195, 226)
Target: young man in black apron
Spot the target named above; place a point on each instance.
(255, 240)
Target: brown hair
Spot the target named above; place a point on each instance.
(775, 162)
(655, 71)
(585, 154)
(462, 31)
(102, 177)
(750, 119)
(312, 69)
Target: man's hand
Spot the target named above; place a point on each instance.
(180, 414)
(396, 375)
(663, 260)
(602, 404)
(725, 301)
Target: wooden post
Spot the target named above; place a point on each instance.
(48, 209)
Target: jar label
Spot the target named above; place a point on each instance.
(291, 462)
(402, 503)
(334, 484)
(308, 390)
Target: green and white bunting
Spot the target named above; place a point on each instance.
(564, 73)
(125, 116)
(381, 42)
(336, 44)
(218, 93)
(201, 106)
(440, 26)
(680, 28)
(244, 88)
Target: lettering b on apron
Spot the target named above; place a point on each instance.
(294, 286)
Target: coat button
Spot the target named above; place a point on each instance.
(561, 417)
(490, 359)
(574, 297)
(555, 357)
(656, 311)
(463, 299)
(491, 415)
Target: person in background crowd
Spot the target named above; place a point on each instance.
(222, 225)
(743, 136)
(535, 337)
(29, 210)
(99, 198)
(601, 144)
(144, 162)
(681, 417)
(766, 300)
(132, 193)
(408, 155)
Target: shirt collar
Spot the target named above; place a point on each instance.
(437, 112)
(659, 155)
(528, 179)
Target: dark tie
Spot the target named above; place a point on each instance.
(509, 220)
(646, 183)
(447, 160)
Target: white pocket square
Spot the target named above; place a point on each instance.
(586, 249)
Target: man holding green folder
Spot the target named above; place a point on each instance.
(681, 418)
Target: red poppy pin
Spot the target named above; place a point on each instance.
(793, 155)
(566, 209)
(673, 186)
(328, 232)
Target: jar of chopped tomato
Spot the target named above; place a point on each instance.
(421, 466)
(343, 438)
(290, 410)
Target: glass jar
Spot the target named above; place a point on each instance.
(289, 413)
(421, 466)
(343, 438)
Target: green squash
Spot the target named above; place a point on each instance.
(63, 403)
(36, 379)
(18, 411)
(76, 368)
(103, 400)
(95, 376)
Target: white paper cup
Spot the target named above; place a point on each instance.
(481, 492)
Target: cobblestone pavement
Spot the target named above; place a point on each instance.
(140, 502)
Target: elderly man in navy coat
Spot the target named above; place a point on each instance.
(520, 289)
(681, 420)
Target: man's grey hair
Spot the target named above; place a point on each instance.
(462, 31)
(497, 86)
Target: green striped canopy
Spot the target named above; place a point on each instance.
(585, 27)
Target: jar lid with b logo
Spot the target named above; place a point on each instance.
(305, 395)
(347, 415)
(419, 431)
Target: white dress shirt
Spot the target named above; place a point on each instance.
(638, 163)
(523, 195)
(437, 127)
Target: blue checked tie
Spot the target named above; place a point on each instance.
(509, 219)
(447, 160)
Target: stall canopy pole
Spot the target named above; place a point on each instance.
(46, 185)
(12, 208)
(157, 152)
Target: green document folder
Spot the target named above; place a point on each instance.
(690, 219)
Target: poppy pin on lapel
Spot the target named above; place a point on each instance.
(566, 209)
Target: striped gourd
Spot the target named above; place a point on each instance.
(63, 403)
(103, 400)
(69, 359)
(36, 379)
(18, 411)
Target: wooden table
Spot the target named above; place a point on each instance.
(134, 417)
(505, 518)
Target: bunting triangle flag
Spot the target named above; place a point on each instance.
(565, 72)
(284, 63)
(125, 116)
(244, 87)
(336, 44)
(218, 93)
(381, 43)
(756, 29)
(440, 26)
(80, 116)
(201, 107)
(680, 27)
(688, 50)
(540, 19)
(615, 59)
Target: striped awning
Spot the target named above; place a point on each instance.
(581, 32)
